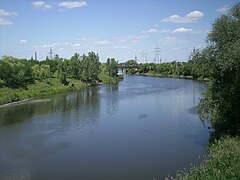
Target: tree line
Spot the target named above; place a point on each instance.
(17, 73)
(196, 67)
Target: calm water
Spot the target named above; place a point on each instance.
(141, 129)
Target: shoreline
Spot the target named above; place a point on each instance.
(174, 76)
(43, 88)
(15, 102)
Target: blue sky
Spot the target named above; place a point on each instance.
(111, 28)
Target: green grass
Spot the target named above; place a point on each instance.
(106, 79)
(224, 162)
(45, 87)
(39, 88)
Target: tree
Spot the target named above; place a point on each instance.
(90, 68)
(75, 66)
(112, 67)
(63, 71)
(14, 72)
(41, 71)
(53, 63)
(221, 103)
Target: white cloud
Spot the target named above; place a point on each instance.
(152, 30)
(136, 38)
(172, 41)
(4, 22)
(76, 45)
(223, 9)
(165, 31)
(103, 42)
(191, 17)
(72, 4)
(66, 43)
(182, 30)
(41, 5)
(22, 41)
(195, 14)
(6, 13)
(121, 47)
(46, 46)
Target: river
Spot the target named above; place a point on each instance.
(143, 128)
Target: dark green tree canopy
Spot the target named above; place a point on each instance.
(221, 104)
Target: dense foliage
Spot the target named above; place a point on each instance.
(22, 79)
(17, 73)
(221, 103)
(223, 162)
(195, 67)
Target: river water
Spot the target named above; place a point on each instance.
(140, 129)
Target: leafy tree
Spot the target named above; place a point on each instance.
(41, 71)
(108, 66)
(112, 67)
(90, 68)
(75, 66)
(14, 72)
(62, 71)
(53, 63)
(221, 101)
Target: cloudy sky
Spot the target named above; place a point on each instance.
(112, 28)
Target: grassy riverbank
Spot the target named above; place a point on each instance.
(48, 86)
(39, 88)
(173, 76)
(223, 162)
(106, 79)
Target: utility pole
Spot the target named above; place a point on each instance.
(144, 56)
(157, 58)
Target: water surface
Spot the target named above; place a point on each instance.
(142, 128)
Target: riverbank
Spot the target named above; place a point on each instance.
(223, 162)
(173, 76)
(40, 88)
(44, 87)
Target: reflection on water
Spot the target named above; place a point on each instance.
(84, 103)
(141, 128)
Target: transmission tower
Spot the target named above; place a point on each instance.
(135, 58)
(50, 53)
(144, 56)
(157, 58)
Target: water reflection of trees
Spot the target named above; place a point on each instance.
(79, 104)
(43, 121)
(112, 98)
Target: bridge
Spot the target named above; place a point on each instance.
(124, 67)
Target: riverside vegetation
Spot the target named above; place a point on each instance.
(22, 79)
(221, 102)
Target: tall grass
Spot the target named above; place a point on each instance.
(223, 162)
